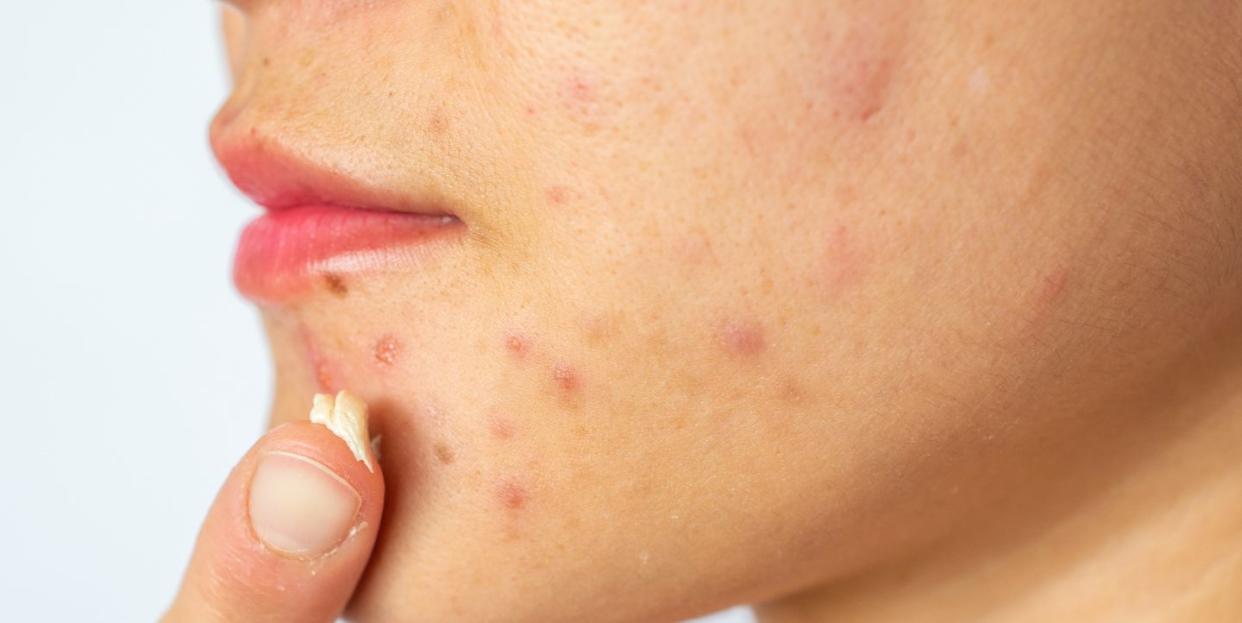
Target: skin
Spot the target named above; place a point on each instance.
(871, 310)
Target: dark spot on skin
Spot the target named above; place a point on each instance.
(444, 454)
(500, 428)
(565, 377)
(387, 348)
(267, 61)
(557, 195)
(512, 495)
(335, 284)
(531, 110)
(517, 345)
(742, 338)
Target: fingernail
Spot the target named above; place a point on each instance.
(300, 507)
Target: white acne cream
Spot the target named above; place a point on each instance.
(346, 417)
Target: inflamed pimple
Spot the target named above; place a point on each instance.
(346, 416)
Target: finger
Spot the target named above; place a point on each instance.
(287, 536)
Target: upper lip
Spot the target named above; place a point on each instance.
(277, 177)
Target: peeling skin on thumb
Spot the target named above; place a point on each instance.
(346, 417)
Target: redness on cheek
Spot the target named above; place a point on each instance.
(580, 98)
(512, 495)
(387, 349)
(743, 338)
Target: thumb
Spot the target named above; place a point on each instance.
(288, 535)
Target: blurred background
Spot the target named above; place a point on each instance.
(132, 374)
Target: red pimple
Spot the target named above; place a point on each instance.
(566, 378)
(387, 348)
(512, 495)
(742, 338)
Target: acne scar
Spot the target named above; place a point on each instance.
(444, 454)
(335, 284)
(565, 377)
(512, 495)
(387, 348)
(742, 337)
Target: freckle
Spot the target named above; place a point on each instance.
(557, 195)
(531, 110)
(444, 454)
(512, 495)
(517, 345)
(500, 428)
(267, 61)
(386, 350)
(742, 338)
(335, 284)
(566, 378)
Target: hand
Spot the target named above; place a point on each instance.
(288, 535)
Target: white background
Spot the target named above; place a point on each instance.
(132, 375)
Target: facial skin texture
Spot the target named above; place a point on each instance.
(853, 301)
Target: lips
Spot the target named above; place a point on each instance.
(321, 224)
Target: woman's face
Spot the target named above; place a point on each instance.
(739, 298)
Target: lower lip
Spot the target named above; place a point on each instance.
(284, 253)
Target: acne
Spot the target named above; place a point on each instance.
(743, 338)
(860, 61)
(387, 350)
(438, 124)
(512, 495)
(557, 195)
(323, 370)
(844, 262)
(566, 378)
(500, 428)
(518, 346)
(335, 284)
(1047, 292)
